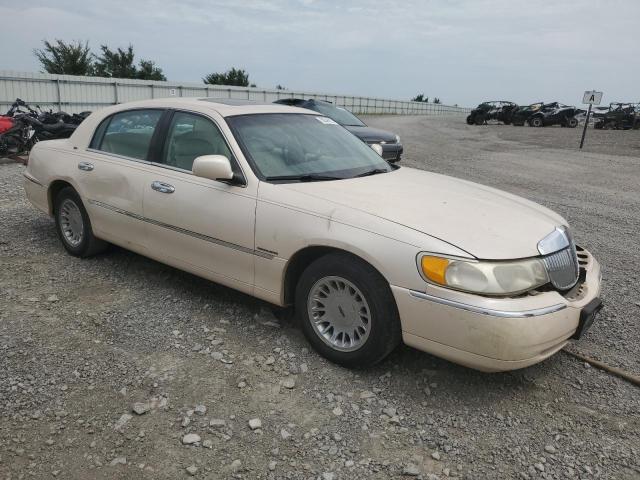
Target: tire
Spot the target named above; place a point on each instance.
(74, 227)
(536, 122)
(469, 119)
(354, 286)
(572, 122)
(479, 120)
(609, 126)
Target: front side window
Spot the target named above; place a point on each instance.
(293, 144)
(127, 133)
(339, 114)
(189, 137)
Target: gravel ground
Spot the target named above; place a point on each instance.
(120, 367)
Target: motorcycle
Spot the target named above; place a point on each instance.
(23, 126)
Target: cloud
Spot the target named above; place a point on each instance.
(462, 51)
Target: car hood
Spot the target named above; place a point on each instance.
(369, 134)
(485, 222)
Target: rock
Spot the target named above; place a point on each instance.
(289, 382)
(192, 470)
(272, 465)
(328, 476)
(270, 361)
(349, 463)
(366, 394)
(52, 298)
(200, 409)
(186, 421)
(255, 423)
(435, 455)
(207, 444)
(122, 421)
(550, 449)
(304, 368)
(190, 438)
(539, 467)
(118, 461)
(284, 434)
(141, 408)
(337, 411)
(49, 441)
(390, 411)
(236, 465)
(410, 470)
(217, 423)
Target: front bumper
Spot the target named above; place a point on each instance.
(495, 334)
(391, 152)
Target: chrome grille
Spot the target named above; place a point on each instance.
(563, 268)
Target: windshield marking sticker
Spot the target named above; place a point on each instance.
(326, 121)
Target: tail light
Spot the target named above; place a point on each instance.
(6, 123)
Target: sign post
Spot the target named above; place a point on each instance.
(592, 98)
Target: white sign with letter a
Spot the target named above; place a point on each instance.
(592, 98)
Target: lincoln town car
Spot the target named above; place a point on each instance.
(284, 204)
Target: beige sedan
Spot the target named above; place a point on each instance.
(284, 204)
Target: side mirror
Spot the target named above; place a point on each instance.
(213, 167)
(376, 147)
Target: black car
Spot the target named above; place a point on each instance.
(390, 142)
(522, 114)
(555, 113)
(500, 110)
(619, 116)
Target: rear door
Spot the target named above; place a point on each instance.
(202, 225)
(113, 172)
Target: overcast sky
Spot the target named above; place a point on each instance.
(463, 51)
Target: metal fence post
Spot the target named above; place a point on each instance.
(59, 94)
(115, 92)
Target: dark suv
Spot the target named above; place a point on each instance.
(390, 142)
(619, 116)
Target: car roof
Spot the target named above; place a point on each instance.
(226, 107)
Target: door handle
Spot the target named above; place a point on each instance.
(163, 187)
(86, 166)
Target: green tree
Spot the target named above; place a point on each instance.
(420, 98)
(436, 100)
(116, 64)
(148, 70)
(73, 58)
(280, 87)
(235, 76)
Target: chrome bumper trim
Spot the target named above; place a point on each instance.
(488, 311)
(31, 179)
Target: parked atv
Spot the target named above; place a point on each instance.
(619, 116)
(555, 114)
(495, 110)
(522, 114)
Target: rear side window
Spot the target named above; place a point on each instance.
(127, 133)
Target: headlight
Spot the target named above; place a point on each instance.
(397, 138)
(489, 278)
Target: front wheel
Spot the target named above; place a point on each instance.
(536, 122)
(73, 225)
(347, 311)
(572, 122)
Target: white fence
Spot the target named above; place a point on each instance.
(74, 94)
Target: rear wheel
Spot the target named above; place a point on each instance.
(73, 225)
(469, 120)
(347, 311)
(479, 120)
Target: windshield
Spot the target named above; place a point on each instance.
(339, 114)
(296, 145)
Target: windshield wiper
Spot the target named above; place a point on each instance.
(375, 171)
(309, 177)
